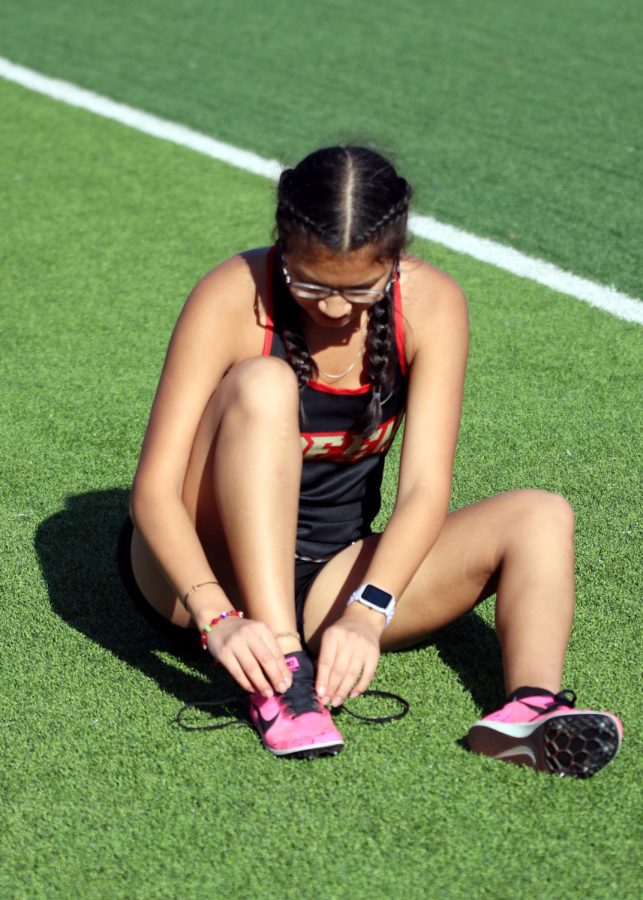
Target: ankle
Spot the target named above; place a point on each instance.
(289, 641)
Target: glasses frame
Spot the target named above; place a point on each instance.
(358, 296)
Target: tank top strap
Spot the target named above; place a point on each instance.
(398, 322)
(269, 302)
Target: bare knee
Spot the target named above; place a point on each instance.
(261, 387)
(537, 509)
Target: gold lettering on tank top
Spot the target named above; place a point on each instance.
(339, 446)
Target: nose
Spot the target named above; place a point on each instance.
(334, 306)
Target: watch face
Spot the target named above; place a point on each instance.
(376, 596)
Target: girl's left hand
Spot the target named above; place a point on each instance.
(348, 656)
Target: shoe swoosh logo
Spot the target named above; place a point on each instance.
(265, 723)
(520, 750)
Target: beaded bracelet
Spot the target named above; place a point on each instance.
(230, 614)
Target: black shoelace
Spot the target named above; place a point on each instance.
(298, 702)
(562, 698)
(301, 696)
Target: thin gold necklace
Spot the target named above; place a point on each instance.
(335, 376)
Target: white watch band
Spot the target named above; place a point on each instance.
(375, 599)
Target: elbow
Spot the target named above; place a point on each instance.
(432, 497)
(137, 502)
(147, 495)
(429, 506)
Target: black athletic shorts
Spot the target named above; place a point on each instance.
(306, 570)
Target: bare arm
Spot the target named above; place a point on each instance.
(436, 384)
(438, 316)
(207, 340)
(216, 329)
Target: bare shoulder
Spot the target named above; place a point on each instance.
(229, 300)
(433, 304)
(217, 328)
(233, 284)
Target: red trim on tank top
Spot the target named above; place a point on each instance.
(329, 389)
(270, 319)
(399, 322)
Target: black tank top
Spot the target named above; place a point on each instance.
(342, 474)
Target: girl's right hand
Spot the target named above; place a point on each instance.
(250, 652)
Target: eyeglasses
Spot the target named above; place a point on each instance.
(311, 292)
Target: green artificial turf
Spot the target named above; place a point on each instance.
(103, 796)
(519, 121)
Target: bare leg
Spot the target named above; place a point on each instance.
(521, 541)
(256, 475)
(535, 605)
(241, 489)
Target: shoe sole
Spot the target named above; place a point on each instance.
(576, 744)
(331, 748)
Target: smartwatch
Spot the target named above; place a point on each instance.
(375, 598)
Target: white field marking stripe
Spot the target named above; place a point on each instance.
(606, 298)
(141, 121)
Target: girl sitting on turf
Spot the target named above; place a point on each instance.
(286, 379)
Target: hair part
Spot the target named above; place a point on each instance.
(345, 197)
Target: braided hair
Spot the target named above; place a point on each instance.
(344, 198)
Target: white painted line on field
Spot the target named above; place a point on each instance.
(141, 121)
(518, 263)
(606, 298)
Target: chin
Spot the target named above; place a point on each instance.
(335, 323)
(330, 322)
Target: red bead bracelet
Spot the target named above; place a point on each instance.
(230, 614)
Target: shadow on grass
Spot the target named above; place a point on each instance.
(76, 549)
(470, 647)
(77, 552)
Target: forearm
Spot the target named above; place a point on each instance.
(407, 539)
(404, 545)
(163, 521)
(411, 532)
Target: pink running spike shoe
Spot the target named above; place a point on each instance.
(546, 732)
(295, 723)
